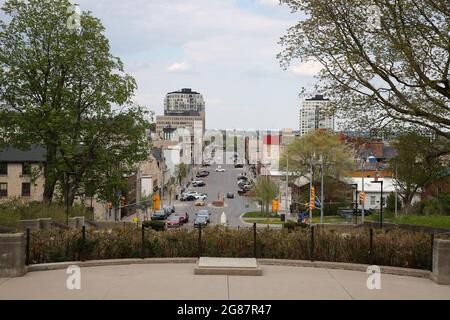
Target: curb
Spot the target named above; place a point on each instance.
(418, 273)
(105, 263)
(267, 262)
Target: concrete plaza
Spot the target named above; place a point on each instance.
(176, 281)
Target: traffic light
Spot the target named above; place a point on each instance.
(156, 202)
(312, 198)
(362, 197)
(275, 205)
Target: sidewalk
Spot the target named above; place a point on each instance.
(177, 282)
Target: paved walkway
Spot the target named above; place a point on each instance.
(177, 281)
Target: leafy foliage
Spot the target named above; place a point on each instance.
(387, 75)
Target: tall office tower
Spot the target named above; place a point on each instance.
(313, 117)
(185, 102)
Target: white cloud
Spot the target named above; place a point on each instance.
(309, 68)
(269, 2)
(179, 67)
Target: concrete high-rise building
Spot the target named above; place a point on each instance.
(313, 117)
(183, 121)
(185, 102)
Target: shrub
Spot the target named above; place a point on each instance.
(291, 225)
(155, 225)
(396, 247)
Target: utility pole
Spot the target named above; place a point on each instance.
(287, 180)
(138, 189)
(362, 188)
(321, 190)
(310, 189)
(396, 193)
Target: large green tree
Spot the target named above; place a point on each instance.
(62, 88)
(385, 63)
(419, 162)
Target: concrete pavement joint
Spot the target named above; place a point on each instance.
(340, 284)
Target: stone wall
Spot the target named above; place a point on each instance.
(12, 255)
(441, 261)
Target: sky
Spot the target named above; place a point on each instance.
(224, 49)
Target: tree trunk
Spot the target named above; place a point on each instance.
(49, 175)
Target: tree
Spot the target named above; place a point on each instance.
(180, 172)
(306, 154)
(61, 88)
(385, 63)
(390, 202)
(419, 162)
(265, 190)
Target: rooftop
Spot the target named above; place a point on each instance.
(33, 154)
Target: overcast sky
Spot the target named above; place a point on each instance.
(225, 49)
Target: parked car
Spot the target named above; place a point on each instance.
(230, 195)
(238, 165)
(159, 215)
(184, 216)
(200, 203)
(204, 213)
(174, 221)
(198, 183)
(200, 221)
(169, 209)
(220, 169)
(202, 174)
(243, 178)
(242, 183)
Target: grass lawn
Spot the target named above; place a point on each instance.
(430, 221)
(259, 214)
(267, 221)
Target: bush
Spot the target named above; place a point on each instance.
(291, 225)
(155, 225)
(398, 248)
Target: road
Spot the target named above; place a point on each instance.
(219, 183)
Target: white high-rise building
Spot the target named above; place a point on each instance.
(312, 115)
(185, 102)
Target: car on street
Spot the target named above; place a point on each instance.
(238, 165)
(206, 164)
(183, 215)
(243, 183)
(169, 209)
(200, 202)
(159, 215)
(204, 213)
(198, 183)
(201, 196)
(202, 174)
(188, 197)
(200, 221)
(243, 178)
(174, 221)
(220, 169)
(230, 195)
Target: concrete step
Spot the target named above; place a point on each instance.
(228, 266)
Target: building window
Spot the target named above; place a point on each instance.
(372, 200)
(4, 168)
(26, 169)
(26, 189)
(3, 189)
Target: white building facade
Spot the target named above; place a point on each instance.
(313, 116)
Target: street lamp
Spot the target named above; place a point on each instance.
(381, 202)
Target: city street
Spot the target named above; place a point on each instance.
(218, 183)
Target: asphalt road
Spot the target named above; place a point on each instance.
(219, 183)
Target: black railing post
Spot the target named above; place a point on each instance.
(254, 240)
(142, 242)
(199, 240)
(312, 244)
(370, 245)
(27, 247)
(83, 241)
(431, 253)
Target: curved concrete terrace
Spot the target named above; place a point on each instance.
(175, 280)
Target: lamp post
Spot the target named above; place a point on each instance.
(381, 202)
